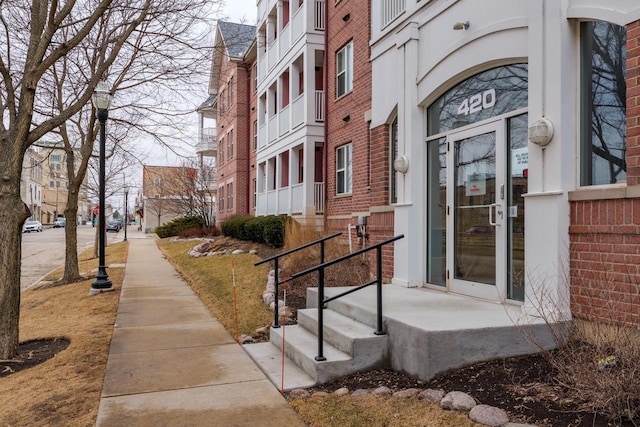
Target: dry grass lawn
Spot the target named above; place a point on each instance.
(66, 389)
(212, 279)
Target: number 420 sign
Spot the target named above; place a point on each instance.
(477, 102)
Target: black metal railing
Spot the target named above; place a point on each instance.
(277, 257)
(322, 301)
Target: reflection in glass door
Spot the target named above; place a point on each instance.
(477, 260)
(474, 206)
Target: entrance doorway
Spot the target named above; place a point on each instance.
(478, 170)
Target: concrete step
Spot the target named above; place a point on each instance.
(364, 314)
(348, 335)
(269, 358)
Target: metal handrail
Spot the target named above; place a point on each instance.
(275, 259)
(322, 301)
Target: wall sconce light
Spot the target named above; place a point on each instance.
(461, 25)
(541, 132)
(401, 164)
(346, 17)
(346, 118)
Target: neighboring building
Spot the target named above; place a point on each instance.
(291, 109)
(167, 193)
(31, 183)
(231, 104)
(55, 184)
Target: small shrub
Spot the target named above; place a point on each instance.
(199, 232)
(234, 227)
(253, 229)
(172, 228)
(273, 230)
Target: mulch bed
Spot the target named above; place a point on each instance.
(32, 353)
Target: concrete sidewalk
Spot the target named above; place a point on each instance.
(172, 363)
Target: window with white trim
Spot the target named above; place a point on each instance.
(603, 123)
(230, 196)
(343, 169)
(344, 70)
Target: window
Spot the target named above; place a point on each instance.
(255, 135)
(230, 196)
(55, 158)
(221, 150)
(393, 155)
(230, 144)
(51, 184)
(255, 78)
(344, 69)
(343, 169)
(255, 192)
(230, 91)
(221, 198)
(221, 104)
(603, 118)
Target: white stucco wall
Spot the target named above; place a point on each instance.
(426, 57)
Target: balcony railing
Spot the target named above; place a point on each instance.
(391, 9)
(319, 103)
(318, 196)
(288, 200)
(207, 144)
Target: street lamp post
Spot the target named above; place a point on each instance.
(126, 210)
(101, 100)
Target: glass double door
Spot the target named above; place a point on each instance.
(487, 167)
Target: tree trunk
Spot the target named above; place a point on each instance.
(71, 268)
(13, 212)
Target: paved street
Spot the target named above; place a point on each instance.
(43, 252)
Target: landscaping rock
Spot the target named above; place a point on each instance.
(341, 391)
(431, 395)
(360, 392)
(238, 252)
(488, 415)
(458, 401)
(382, 391)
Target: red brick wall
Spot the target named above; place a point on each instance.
(237, 116)
(605, 234)
(369, 184)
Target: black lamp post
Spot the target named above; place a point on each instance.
(126, 210)
(101, 101)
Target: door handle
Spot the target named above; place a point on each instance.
(492, 220)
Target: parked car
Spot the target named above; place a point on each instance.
(30, 226)
(59, 223)
(113, 226)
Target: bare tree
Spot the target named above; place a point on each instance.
(201, 191)
(92, 41)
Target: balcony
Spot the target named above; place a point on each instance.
(207, 145)
(288, 200)
(290, 117)
(308, 19)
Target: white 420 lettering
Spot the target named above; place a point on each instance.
(477, 102)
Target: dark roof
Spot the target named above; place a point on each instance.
(237, 37)
(211, 100)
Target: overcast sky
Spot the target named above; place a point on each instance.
(240, 11)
